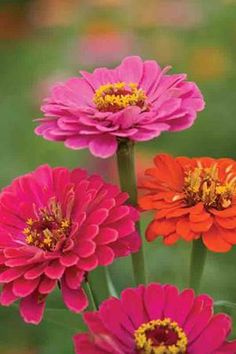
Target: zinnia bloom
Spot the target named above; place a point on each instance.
(57, 225)
(156, 319)
(192, 198)
(136, 101)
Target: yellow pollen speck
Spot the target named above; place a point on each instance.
(145, 344)
(204, 185)
(119, 95)
(29, 221)
(26, 230)
(65, 223)
(48, 229)
(29, 239)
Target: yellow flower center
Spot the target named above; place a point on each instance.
(48, 228)
(204, 185)
(160, 337)
(117, 96)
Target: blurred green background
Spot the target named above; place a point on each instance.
(45, 41)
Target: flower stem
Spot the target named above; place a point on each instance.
(92, 300)
(110, 285)
(126, 170)
(198, 259)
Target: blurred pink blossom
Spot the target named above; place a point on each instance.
(105, 47)
(170, 13)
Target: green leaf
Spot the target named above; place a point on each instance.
(66, 319)
(225, 303)
(110, 283)
(62, 317)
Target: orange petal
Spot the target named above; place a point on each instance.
(177, 212)
(160, 227)
(185, 162)
(229, 235)
(199, 227)
(197, 209)
(183, 229)
(226, 213)
(145, 202)
(205, 161)
(227, 223)
(149, 184)
(213, 240)
(199, 217)
(171, 239)
(160, 204)
(169, 172)
(160, 214)
(166, 195)
(151, 233)
(165, 227)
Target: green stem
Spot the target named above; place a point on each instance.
(126, 169)
(92, 300)
(98, 282)
(110, 285)
(198, 259)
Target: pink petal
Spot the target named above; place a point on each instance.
(69, 259)
(97, 217)
(132, 301)
(94, 322)
(184, 305)
(106, 235)
(131, 70)
(122, 327)
(100, 77)
(35, 272)
(124, 227)
(105, 255)
(7, 296)
(47, 285)
(83, 344)
(31, 309)
(11, 274)
(154, 301)
(171, 296)
(151, 70)
(103, 146)
(23, 287)
(77, 142)
(75, 300)
(88, 264)
(86, 248)
(118, 213)
(213, 336)
(54, 270)
(74, 277)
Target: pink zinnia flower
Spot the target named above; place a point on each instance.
(156, 319)
(55, 226)
(137, 100)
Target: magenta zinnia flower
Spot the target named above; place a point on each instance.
(156, 319)
(55, 226)
(137, 100)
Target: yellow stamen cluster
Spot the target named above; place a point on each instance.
(114, 97)
(204, 185)
(145, 345)
(48, 229)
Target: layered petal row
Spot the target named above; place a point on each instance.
(192, 198)
(56, 226)
(156, 319)
(137, 100)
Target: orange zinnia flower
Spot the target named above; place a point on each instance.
(192, 198)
